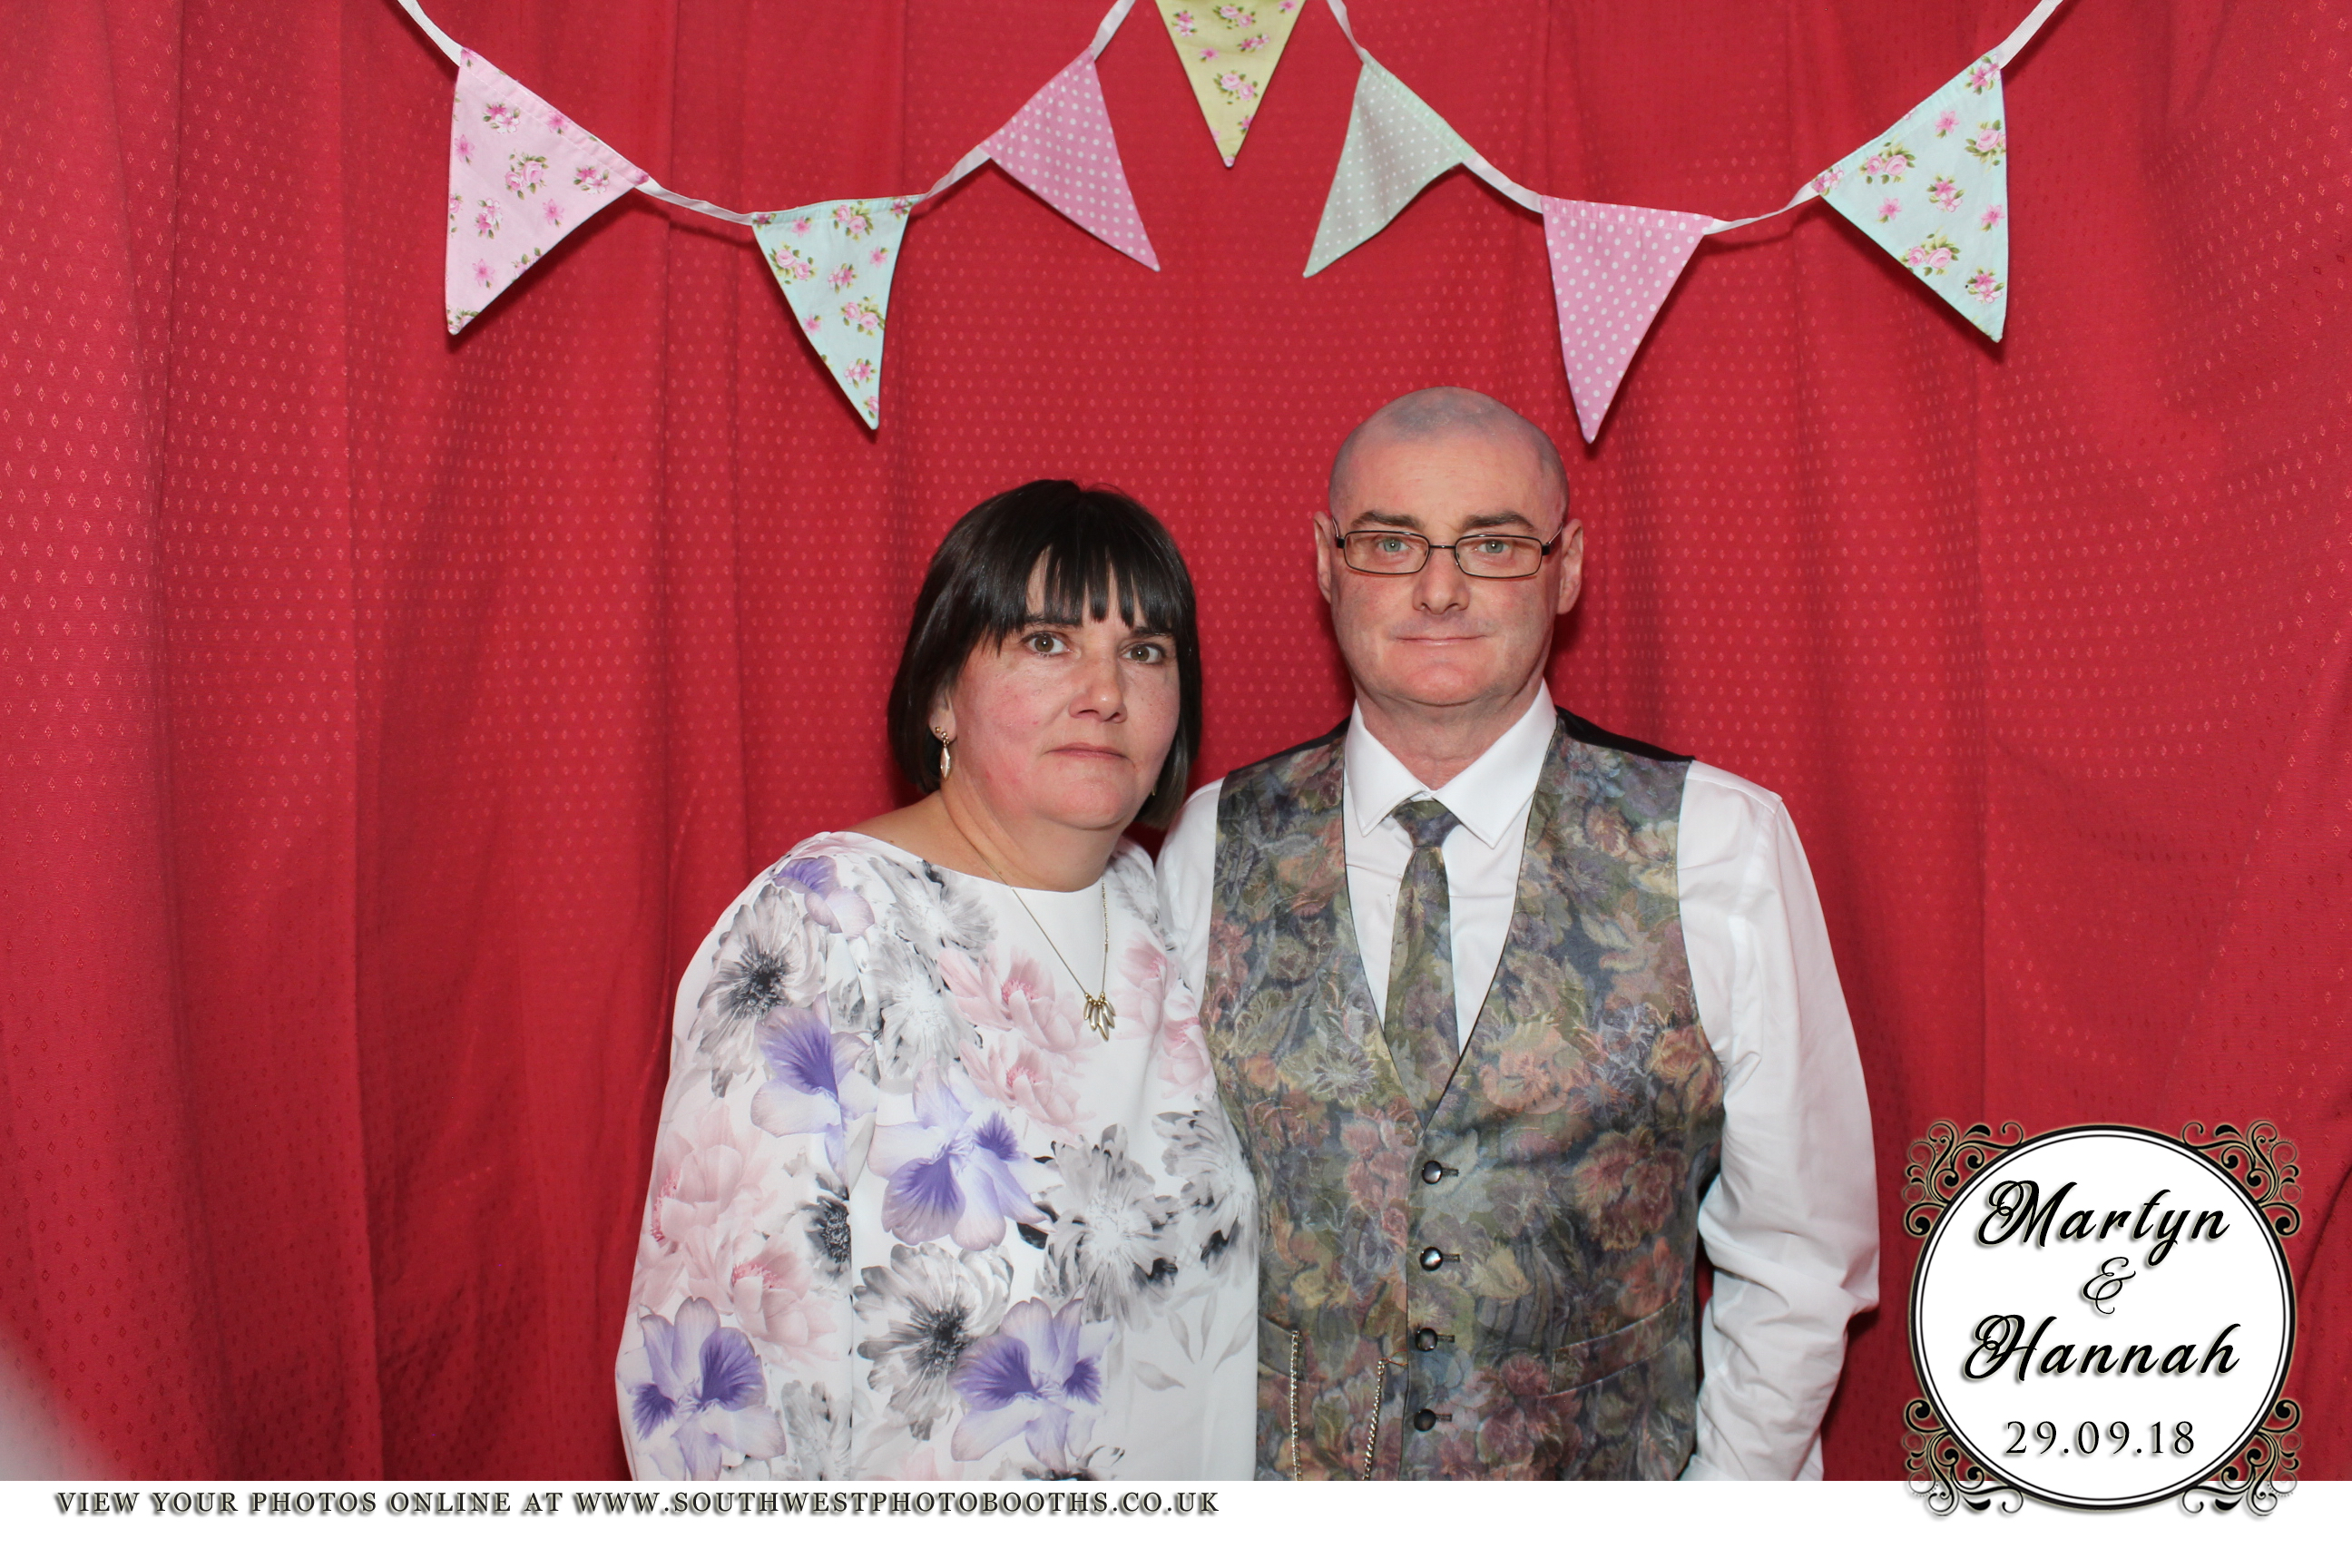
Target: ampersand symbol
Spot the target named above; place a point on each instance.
(2101, 1287)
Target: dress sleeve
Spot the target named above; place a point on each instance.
(1188, 861)
(735, 1356)
(1791, 1222)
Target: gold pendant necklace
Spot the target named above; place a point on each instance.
(1100, 1016)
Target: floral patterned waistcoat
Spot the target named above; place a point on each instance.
(1500, 1286)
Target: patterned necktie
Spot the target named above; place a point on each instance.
(1419, 1024)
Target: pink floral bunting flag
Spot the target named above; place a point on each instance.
(1611, 267)
(521, 177)
(1060, 145)
(1933, 192)
(835, 261)
(1229, 53)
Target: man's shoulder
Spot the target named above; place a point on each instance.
(1584, 729)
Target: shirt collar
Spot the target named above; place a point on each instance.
(1486, 796)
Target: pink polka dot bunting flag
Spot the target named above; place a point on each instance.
(835, 261)
(1060, 145)
(522, 177)
(1933, 192)
(1611, 267)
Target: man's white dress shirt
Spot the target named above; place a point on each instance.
(1791, 1222)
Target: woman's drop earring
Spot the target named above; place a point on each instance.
(946, 757)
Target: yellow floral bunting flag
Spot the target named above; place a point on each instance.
(1229, 54)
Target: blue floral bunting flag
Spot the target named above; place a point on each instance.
(835, 261)
(1933, 192)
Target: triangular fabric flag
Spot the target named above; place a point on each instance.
(1060, 145)
(835, 261)
(521, 177)
(1933, 192)
(1229, 54)
(1396, 144)
(1611, 267)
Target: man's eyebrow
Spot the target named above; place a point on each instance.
(1483, 521)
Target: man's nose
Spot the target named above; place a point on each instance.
(1442, 585)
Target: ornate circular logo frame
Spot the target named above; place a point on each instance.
(2023, 1217)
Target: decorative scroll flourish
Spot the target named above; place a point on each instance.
(2259, 1473)
(1944, 1476)
(2262, 1163)
(1942, 1162)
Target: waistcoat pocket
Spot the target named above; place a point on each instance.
(1605, 1355)
(1279, 1353)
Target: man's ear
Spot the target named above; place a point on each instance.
(1570, 550)
(1324, 528)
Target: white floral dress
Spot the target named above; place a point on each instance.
(910, 1217)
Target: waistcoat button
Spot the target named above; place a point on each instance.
(1431, 1173)
(1424, 1339)
(1431, 1257)
(1422, 1420)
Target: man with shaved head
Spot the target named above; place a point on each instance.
(1513, 1014)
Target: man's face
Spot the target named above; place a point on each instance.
(1439, 638)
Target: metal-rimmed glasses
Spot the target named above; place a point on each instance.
(1399, 553)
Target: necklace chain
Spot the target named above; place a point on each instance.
(1100, 1016)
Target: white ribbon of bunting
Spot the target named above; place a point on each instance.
(659, 191)
(2002, 54)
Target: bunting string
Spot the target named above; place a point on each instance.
(1931, 190)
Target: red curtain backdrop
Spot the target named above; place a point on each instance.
(384, 720)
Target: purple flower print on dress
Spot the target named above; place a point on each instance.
(765, 960)
(842, 276)
(921, 1316)
(697, 1394)
(812, 1082)
(951, 1172)
(829, 902)
(1888, 208)
(1944, 195)
(1038, 1377)
(1992, 215)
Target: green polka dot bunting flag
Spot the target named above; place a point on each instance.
(1396, 144)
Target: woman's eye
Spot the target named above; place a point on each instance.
(1147, 653)
(1043, 642)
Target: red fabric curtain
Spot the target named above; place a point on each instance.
(384, 720)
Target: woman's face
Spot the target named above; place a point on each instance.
(1067, 723)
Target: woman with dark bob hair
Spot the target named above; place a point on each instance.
(943, 1190)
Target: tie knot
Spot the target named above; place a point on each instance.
(1426, 822)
